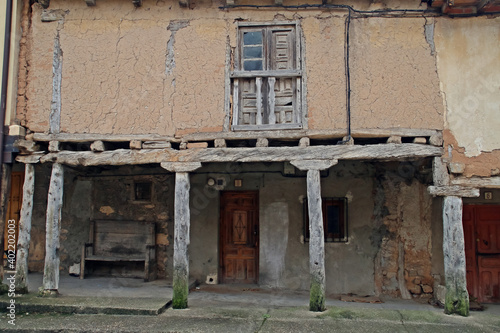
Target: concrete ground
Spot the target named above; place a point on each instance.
(131, 305)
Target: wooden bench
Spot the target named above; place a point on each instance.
(121, 242)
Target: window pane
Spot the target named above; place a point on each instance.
(252, 52)
(333, 220)
(252, 38)
(252, 65)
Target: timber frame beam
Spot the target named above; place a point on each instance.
(379, 152)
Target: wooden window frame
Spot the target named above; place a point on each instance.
(267, 78)
(330, 237)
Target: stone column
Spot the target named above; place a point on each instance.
(182, 220)
(457, 297)
(21, 280)
(316, 232)
(52, 230)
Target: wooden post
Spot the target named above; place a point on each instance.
(316, 242)
(457, 298)
(53, 225)
(23, 243)
(182, 220)
(316, 232)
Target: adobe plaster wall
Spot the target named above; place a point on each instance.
(467, 56)
(161, 68)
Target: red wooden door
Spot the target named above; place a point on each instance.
(482, 250)
(239, 237)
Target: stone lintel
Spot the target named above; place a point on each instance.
(305, 165)
(181, 166)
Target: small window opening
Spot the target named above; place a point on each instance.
(143, 191)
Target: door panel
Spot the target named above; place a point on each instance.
(470, 250)
(482, 251)
(239, 237)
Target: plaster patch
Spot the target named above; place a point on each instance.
(472, 87)
(272, 248)
(106, 210)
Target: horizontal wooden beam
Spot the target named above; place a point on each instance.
(381, 152)
(246, 135)
(90, 137)
(491, 182)
(313, 134)
(455, 191)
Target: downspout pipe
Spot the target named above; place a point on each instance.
(5, 73)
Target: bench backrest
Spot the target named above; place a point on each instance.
(125, 239)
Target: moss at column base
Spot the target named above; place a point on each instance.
(180, 296)
(316, 298)
(457, 302)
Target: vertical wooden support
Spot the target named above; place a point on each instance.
(53, 225)
(23, 243)
(272, 100)
(457, 298)
(316, 242)
(236, 102)
(316, 233)
(182, 221)
(181, 241)
(258, 88)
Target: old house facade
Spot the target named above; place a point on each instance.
(296, 145)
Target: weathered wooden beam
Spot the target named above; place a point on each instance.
(54, 146)
(182, 220)
(55, 105)
(53, 224)
(394, 139)
(251, 134)
(23, 243)
(220, 143)
(457, 297)
(26, 147)
(89, 137)
(491, 182)
(440, 172)
(180, 166)
(306, 165)
(382, 152)
(316, 242)
(156, 144)
(454, 190)
(98, 146)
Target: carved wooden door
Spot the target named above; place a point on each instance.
(239, 237)
(482, 250)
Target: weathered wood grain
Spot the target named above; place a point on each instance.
(457, 297)
(316, 242)
(53, 221)
(453, 190)
(181, 241)
(492, 182)
(21, 277)
(383, 152)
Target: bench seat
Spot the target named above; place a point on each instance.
(121, 242)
